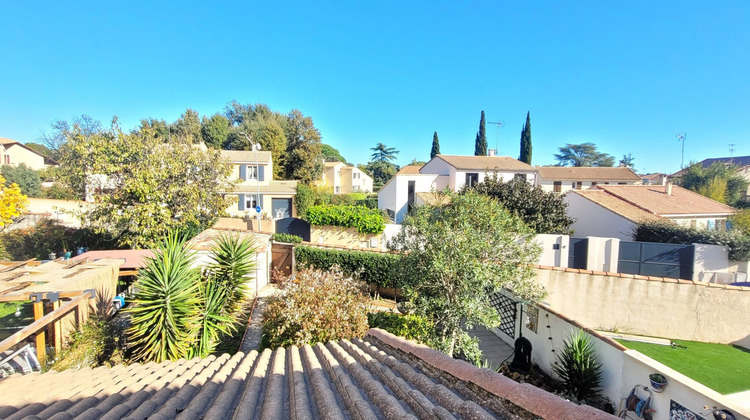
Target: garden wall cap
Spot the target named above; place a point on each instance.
(381, 376)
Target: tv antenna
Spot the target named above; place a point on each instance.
(497, 136)
(731, 153)
(681, 137)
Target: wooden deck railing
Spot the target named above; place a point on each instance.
(50, 321)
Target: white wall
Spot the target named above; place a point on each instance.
(603, 254)
(594, 220)
(701, 222)
(549, 184)
(261, 274)
(710, 258)
(550, 256)
(394, 196)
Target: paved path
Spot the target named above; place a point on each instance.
(494, 350)
(253, 333)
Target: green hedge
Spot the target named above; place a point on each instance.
(364, 219)
(370, 267)
(671, 233)
(286, 238)
(411, 327)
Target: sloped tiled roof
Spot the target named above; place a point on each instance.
(566, 173)
(379, 377)
(246, 155)
(10, 142)
(486, 162)
(740, 161)
(618, 206)
(409, 170)
(654, 199)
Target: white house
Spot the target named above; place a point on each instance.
(402, 191)
(345, 179)
(615, 210)
(561, 179)
(256, 187)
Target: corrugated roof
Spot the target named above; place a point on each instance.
(566, 173)
(617, 205)
(379, 377)
(486, 162)
(278, 187)
(654, 199)
(246, 155)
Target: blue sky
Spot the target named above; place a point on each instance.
(627, 76)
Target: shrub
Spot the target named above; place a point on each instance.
(287, 238)
(26, 178)
(99, 342)
(49, 236)
(369, 267)
(370, 203)
(365, 220)
(318, 306)
(578, 368)
(671, 233)
(411, 327)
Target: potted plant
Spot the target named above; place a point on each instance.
(658, 382)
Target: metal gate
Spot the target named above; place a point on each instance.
(578, 253)
(294, 226)
(507, 308)
(656, 259)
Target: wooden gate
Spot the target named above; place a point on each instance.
(282, 258)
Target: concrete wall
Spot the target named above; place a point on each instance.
(622, 368)
(348, 237)
(594, 220)
(551, 256)
(63, 211)
(652, 306)
(548, 185)
(603, 254)
(708, 260)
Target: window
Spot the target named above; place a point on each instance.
(557, 186)
(622, 183)
(593, 184)
(606, 183)
(252, 172)
(472, 179)
(520, 176)
(7, 159)
(337, 189)
(578, 185)
(355, 175)
(356, 188)
(251, 202)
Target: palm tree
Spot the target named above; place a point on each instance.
(383, 153)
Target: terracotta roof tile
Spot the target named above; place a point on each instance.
(237, 156)
(618, 206)
(409, 170)
(566, 173)
(654, 199)
(486, 162)
(380, 376)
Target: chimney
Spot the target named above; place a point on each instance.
(668, 188)
(491, 152)
(663, 179)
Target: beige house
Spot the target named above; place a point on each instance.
(345, 179)
(561, 179)
(613, 211)
(256, 186)
(741, 162)
(15, 153)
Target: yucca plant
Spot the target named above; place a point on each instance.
(233, 261)
(165, 309)
(212, 324)
(578, 368)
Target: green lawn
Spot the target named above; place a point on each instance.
(8, 319)
(721, 367)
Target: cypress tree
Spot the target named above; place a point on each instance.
(526, 141)
(435, 146)
(480, 146)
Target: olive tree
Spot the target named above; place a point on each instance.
(455, 256)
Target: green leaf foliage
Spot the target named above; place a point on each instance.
(165, 311)
(584, 154)
(411, 327)
(232, 265)
(331, 154)
(525, 155)
(47, 237)
(577, 367)
(672, 233)
(365, 220)
(453, 256)
(317, 306)
(480, 144)
(435, 150)
(26, 178)
(543, 212)
(286, 238)
(370, 267)
(719, 182)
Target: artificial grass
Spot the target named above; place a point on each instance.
(9, 322)
(721, 367)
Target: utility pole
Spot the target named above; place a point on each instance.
(731, 153)
(497, 136)
(681, 137)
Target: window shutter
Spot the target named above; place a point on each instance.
(261, 172)
(242, 198)
(243, 172)
(260, 202)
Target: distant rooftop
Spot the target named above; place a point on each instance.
(486, 162)
(567, 173)
(740, 161)
(240, 156)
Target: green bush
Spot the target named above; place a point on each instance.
(370, 203)
(287, 238)
(369, 267)
(364, 219)
(671, 233)
(577, 367)
(101, 342)
(317, 306)
(411, 327)
(49, 236)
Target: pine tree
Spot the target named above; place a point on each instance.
(480, 146)
(435, 146)
(526, 141)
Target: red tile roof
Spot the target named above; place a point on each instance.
(381, 376)
(654, 199)
(486, 162)
(134, 258)
(565, 173)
